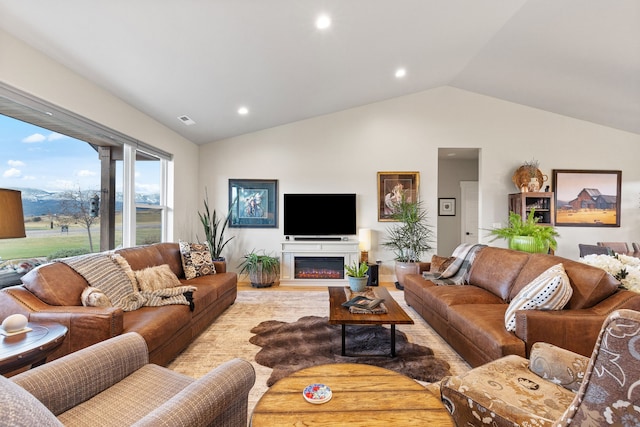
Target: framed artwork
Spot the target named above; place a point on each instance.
(446, 206)
(587, 198)
(392, 186)
(253, 203)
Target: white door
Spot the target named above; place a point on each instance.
(469, 211)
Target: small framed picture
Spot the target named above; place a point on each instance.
(253, 203)
(446, 206)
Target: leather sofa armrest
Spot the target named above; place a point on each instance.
(558, 365)
(218, 398)
(67, 382)
(85, 325)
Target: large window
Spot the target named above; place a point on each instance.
(59, 174)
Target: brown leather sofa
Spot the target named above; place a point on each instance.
(471, 317)
(52, 293)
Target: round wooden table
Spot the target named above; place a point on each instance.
(363, 395)
(30, 348)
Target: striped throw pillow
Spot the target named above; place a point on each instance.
(551, 290)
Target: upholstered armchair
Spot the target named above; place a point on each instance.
(555, 386)
(112, 384)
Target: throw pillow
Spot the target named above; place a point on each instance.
(196, 259)
(551, 290)
(155, 278)
(440, 263)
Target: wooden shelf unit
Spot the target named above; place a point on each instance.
(542, 202)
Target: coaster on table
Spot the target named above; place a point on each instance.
(10, 334)
(317, 393)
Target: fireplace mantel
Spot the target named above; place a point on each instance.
(291, 249)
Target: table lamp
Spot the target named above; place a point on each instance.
(364, 238)
(11, 214)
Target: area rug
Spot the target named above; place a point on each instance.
(311, 340)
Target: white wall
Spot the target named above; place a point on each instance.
(342, 152)
(28, 70)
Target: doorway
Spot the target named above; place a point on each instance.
(458, 175)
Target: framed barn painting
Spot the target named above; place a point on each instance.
(253, 203)
(587, 198)
(392, 187)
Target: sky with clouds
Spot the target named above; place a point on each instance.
(33, 157)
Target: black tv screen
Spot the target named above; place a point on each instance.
(319, 214)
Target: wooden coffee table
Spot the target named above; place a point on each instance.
(363, 395)
(339, 315)
(30, 348)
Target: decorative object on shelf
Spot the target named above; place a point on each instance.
(357, 276)
(393, 187)
(446, 206)
(364, 243)
(528, 177)
(587, 198)
(526, 235)
(253, 203)
(263, 269)
(15, 324)
(212, 224)
(409, 238)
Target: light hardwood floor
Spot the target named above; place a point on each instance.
(246, 286)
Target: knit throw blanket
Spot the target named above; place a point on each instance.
(458, 271)
(103, 272)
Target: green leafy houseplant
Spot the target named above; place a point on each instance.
(212, 224)
(411, 236)
(357, 269)
(539, 237)
(263, 269)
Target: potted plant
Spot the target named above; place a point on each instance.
(263, 269)
(357, 276)
(526, 235)
(212, 224)
(409, 238)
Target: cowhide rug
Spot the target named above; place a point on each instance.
(311, 340)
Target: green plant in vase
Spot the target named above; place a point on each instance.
(214, 228)
(525, 234)
(357, 276)
(263, 269)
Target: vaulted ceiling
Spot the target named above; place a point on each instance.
(206, 59)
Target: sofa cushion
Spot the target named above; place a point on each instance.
(155, 278)
(551, 290)
(157, 324)
(196, 259)
(496, 269)
(21, 409)
(440, 263)
(440, 298)
(55, 284)
(590, 284)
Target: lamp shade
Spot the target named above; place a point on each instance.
(364, 238)
(11, 215)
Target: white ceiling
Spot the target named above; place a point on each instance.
(206, 58)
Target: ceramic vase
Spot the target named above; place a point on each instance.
(528, 244)
(358, 284)
(534, 185)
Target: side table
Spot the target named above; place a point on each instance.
(30, 348)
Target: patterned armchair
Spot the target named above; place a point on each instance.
(112, 384)
(556, 387)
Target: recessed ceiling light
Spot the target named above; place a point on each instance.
(323, 22)
(400, 73)
(243, 111)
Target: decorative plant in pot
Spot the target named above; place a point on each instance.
(526, 235)
(213, 224)
(263, 269)
(409, 238)
(357, 276)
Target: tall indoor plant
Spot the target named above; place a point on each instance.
(214, 228)
(263, 269)
(409, 238)
(526, 235)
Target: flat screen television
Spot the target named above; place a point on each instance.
(319, 214)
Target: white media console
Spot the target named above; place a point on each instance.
(316, 261)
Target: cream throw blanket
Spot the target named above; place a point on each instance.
(458, 271)
(103, 272)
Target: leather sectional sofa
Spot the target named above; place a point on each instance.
(52, 292)
(471, 317)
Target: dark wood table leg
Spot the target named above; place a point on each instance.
(344, 330)
(393, 340)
